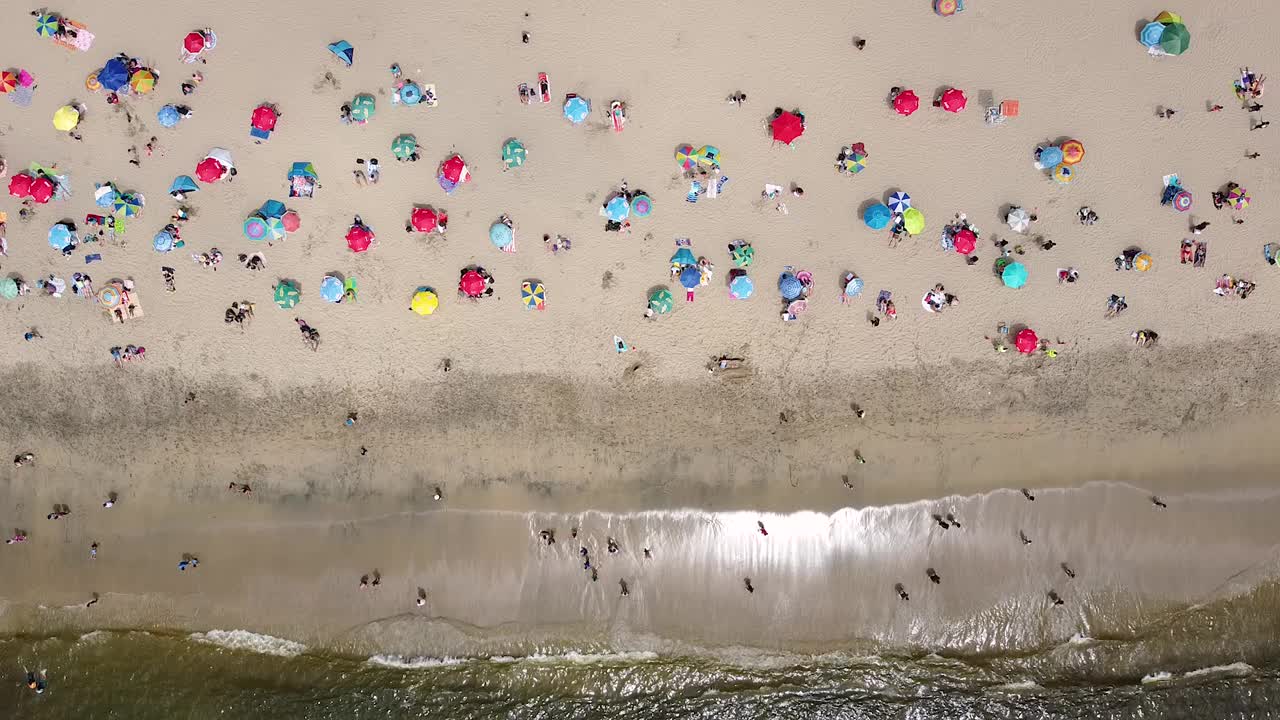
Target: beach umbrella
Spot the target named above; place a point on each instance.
(42, 189)
(790, 286)
(291, 221)
(127, 204)
(1168, 17)
(1175, 39)
(533, 295)
(954, 100)
(690, 277)
(66, 118)
(20, 185)
(455, 170)
(46, 25)
(946, 8)
(1238, 197)
(1072, 152)
(362, 107)
(8, 288)
(965, 241)
(8, 81)
(264, 118)
(404, 146)
(1182, 201)
(743, 255)
(168, 116)
(1026, 341)
(1151, 34)
(424, 219)
(513, 153)
(359, 238)
(641, 206)
(1064, 174)
(272, 209)
(142, 81)
(708, 155)
(906, 102)
(1142, 262)
(661, 302)
(913, 221)
(287, 295)
(1050, 156)
(617, 209)
(899, 202)
(275, 228)
(110, 296)
(114, 75)
(787, 127)
(576, 109)
(424, 302)
(684, 256)
(877, 216)
(501, 235)
(162, 242)
(472, 284)
(684, 156)
(90, 83)
(183, 184)
(1019, 220)
(193, 43)
(1014, 275)
(854, 162)
(331, 289)
(255, 227)
(104, 196)
(60, 236)
(343, 50)
(853, 288)
(410, 93)
(741, 287)
(446, 184)
(210, 170)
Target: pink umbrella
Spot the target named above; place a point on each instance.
(424, 219)
(1027, 342)
(359, 238)
(455, 170)
(953, 100)
(291, 221)
(965, 241)
(20, 185)
(42, 189)
(264, 118)
(193, 43)
(906, 102)
(210, 170)
(472, 284)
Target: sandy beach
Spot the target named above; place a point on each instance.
(538, 423)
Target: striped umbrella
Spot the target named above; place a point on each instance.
(899, 202)
(142, 81)
(255, 227)
(533, 295)
(275, 228)
(127, 204)
(46, 25)
(1239, 198)
(1072, 152)
(685, 157)
(8, 81)
(854, 162)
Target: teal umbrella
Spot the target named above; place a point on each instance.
(362, 107)
(8, 288)
(404, 146)
(513, 153)
(1014, 275)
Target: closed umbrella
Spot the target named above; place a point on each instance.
(661, 301)
(576, 109)
(790, 286)
(255, 227)
(965, 241)
(142, 81)
(877, 216)
(331, 289)
(1019, 220)
(899, 202)
(641, 206)
(359, 238)
(501, 235)
(913, 221)
(513, 153)
(424, 302)
(363, 107)
(264, 118)
(287, 295)
(1026, 341)
(741, 287)
(66, 118)
(617, 209)
(472, 284)
(954, 100)
(787, 127)
(168, 116)
(404, 146)
(1014, 275)
(906, 102)
(690, 277)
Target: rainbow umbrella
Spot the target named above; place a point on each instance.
(142, 81)
(255, 227)
(685, 157)
(946, 8)
(1182, 201)
(275, 227)
(1072, 152)
(1239, 198)
(46, 25)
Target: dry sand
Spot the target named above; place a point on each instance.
(539, 414)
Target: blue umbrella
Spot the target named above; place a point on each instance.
(162, 242)
(617, 209)
(168, 116)
(1051, 156)
(331, 289)
(127, 205)
(690, 277)
(60, 237)
(741, 287)
(790, 286)
(1151, 34)
(114, 75)
(183, 184)
(899, 202)
(501, 236)
(877, 217)
(576, 109)
(410, 94)
(684, 256)
(446, 184)
(104, 196)
(272, 209)
(853, 288)
(342, 49)
(1014, 275)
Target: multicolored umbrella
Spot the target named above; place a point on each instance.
(255, 227)
(501, 235)
(1238, 198)
(533, 295)
(264, 118)
(275, 228)
(1014, 275)
(899, 202)
(690, 277)
(853, 288)
(110, 296)
(168, 116)
(684, 156)
(741, 287)
(1019, 220)
(964, 241)
(913, 221)
(127, 204)
(617, 209)
(854, 162)
(1050, 156)
(641, 206)
(8, 81)
(424, 302)
(954, 100)
(424, 219)
(513, 153)
(46, 25)
(708, 155)
(363, 107)
(1175, 39)
(359, 238)
(104, 196)
(877, 216)
(576, 109)
(210, 170)
(1072, 152)
(1142, 262)
(906, 102)
(1182, 201)
(472, 284)
(1065, 174)
(66, 118)
(142, 81)
(287, 295)
(743, 255)
(404, 146)
(331, 289)
(787, 127)
(1026, 341)
(946, 8)
(661, 301)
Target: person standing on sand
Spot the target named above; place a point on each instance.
(747, 583)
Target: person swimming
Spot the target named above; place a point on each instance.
(36, 681)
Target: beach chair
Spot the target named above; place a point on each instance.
(1006, 109)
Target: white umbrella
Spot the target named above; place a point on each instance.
(1019, 220)
(222, 156)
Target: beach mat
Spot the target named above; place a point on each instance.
(82, 41)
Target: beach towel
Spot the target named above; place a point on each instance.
(259, 135)
(695, 188)
(82, 41)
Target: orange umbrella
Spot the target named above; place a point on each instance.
(1072, 152)
(8, 81)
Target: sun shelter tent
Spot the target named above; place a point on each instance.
(303, 180)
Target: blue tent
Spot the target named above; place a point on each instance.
(272, 209)
(877, 217)
(690, 277)
(790, 287)
(342, 49)
(183, 184)
(684, 256)
(114, 75)
(168, 116)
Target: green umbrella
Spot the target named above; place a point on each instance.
(362, 107)
(404, 146)
(660, 301)
(513, 153)
(287, 294)
(743, 255)
(8, 288)
(1176, 39)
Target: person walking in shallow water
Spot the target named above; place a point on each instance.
(902, 592)
(747, 583)
(933, 576)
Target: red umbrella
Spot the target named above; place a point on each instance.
(291, 221)
(42, 189)
(8, 81)
(264, 118)
(953, 100)
(455, 170)
(965, 241)
(787, 127)
(906, 102)
(359, 238)
(472, 284)
(193, 42)
(424, 219)
(1026, 342)
(210, 170)
(20, 185)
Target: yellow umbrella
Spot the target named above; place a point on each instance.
(913, 221)
(424, 302)
(66, 118)
(91, 83)
(1142, 263)
(1168, 18)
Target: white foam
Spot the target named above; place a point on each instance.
(401, 663)
(1024, 686)
(579, 658)
(95, 636)
(1238, 669)
(1156, 677)
(250, 642)
(1081, 639)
